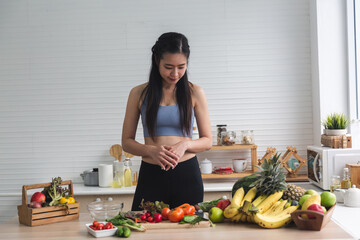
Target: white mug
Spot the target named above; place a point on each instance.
(239, 164)
(105, 175)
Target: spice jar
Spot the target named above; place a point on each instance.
(247, 137)
(228, 138)
(220, 129)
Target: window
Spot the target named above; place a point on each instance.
(353, 20)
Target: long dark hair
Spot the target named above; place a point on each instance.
(170, 42)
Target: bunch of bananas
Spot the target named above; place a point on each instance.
(267, 211)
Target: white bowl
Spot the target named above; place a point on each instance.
(101, 233)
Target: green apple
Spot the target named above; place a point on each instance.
(328, 199)
(324, 208)
(216, 215)
(303, 199)
(311, 192)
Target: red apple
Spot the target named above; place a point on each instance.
(38, 197)
(315, 207)
(222, 204)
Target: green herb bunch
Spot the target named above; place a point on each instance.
(336, 121)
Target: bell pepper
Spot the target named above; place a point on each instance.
(188, 209)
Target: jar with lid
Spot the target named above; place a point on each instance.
(228, 138)
(206, 166)
(220, 129)
(247, 137)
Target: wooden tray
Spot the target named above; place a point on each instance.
(315, 224)
(170, 225)
(45, 215)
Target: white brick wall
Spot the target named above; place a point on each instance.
(66, 68)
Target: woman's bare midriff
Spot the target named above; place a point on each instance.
(167, 141)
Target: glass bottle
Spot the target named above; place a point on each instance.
(118, 180)
(127, 173)
(346, 182)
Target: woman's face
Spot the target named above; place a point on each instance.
(172, 67)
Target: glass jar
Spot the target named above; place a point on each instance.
(247, 137)
(220, 129)
(228, 138)
(335, 183)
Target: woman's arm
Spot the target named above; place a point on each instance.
(159, 154)
(203, 122)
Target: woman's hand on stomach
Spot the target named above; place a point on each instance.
(163, 157)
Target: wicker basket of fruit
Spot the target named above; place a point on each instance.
(58, 207)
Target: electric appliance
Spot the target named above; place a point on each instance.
(325, 162)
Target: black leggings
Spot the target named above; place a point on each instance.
(183, 184)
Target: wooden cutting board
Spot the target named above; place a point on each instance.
(170, 225)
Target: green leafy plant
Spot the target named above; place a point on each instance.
(336, 121)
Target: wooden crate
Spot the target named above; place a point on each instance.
(336, 141)
(45, 215)
(354, 173)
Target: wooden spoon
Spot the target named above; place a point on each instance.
(128, 155)
(116, 151)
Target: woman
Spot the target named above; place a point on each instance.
(167, 104)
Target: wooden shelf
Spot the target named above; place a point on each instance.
(235, 146)
(299, 178)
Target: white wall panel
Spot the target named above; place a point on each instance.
(66, 68)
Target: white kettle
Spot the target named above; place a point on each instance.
(351, 196)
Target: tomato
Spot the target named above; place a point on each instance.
(176, 215)
(150, 219)
(100, 226)
(148, 214)
(95, 223)
(109, 225)
(165, 213)
(143, 217)
(188, 209)
(92, 227)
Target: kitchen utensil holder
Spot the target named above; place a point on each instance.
(45, 215)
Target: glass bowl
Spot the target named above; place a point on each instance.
(102, 210)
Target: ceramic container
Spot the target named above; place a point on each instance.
(351, 196)
(206, 166)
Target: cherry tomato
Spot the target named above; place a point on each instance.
(109, 225)
(148, 214)
(176, 215)
(100, 226)
(165, 213)
(188, 209)
(95, 223)
(143, 217)
(150, 219)
(92, 227)
(157, 217)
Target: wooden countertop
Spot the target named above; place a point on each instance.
(76, 230)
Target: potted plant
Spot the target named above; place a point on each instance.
(335, 124)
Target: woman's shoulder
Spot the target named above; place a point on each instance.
(196, 90)
(137, 95)
(197, 94)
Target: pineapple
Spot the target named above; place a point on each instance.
(293, 192)
(271, 178)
